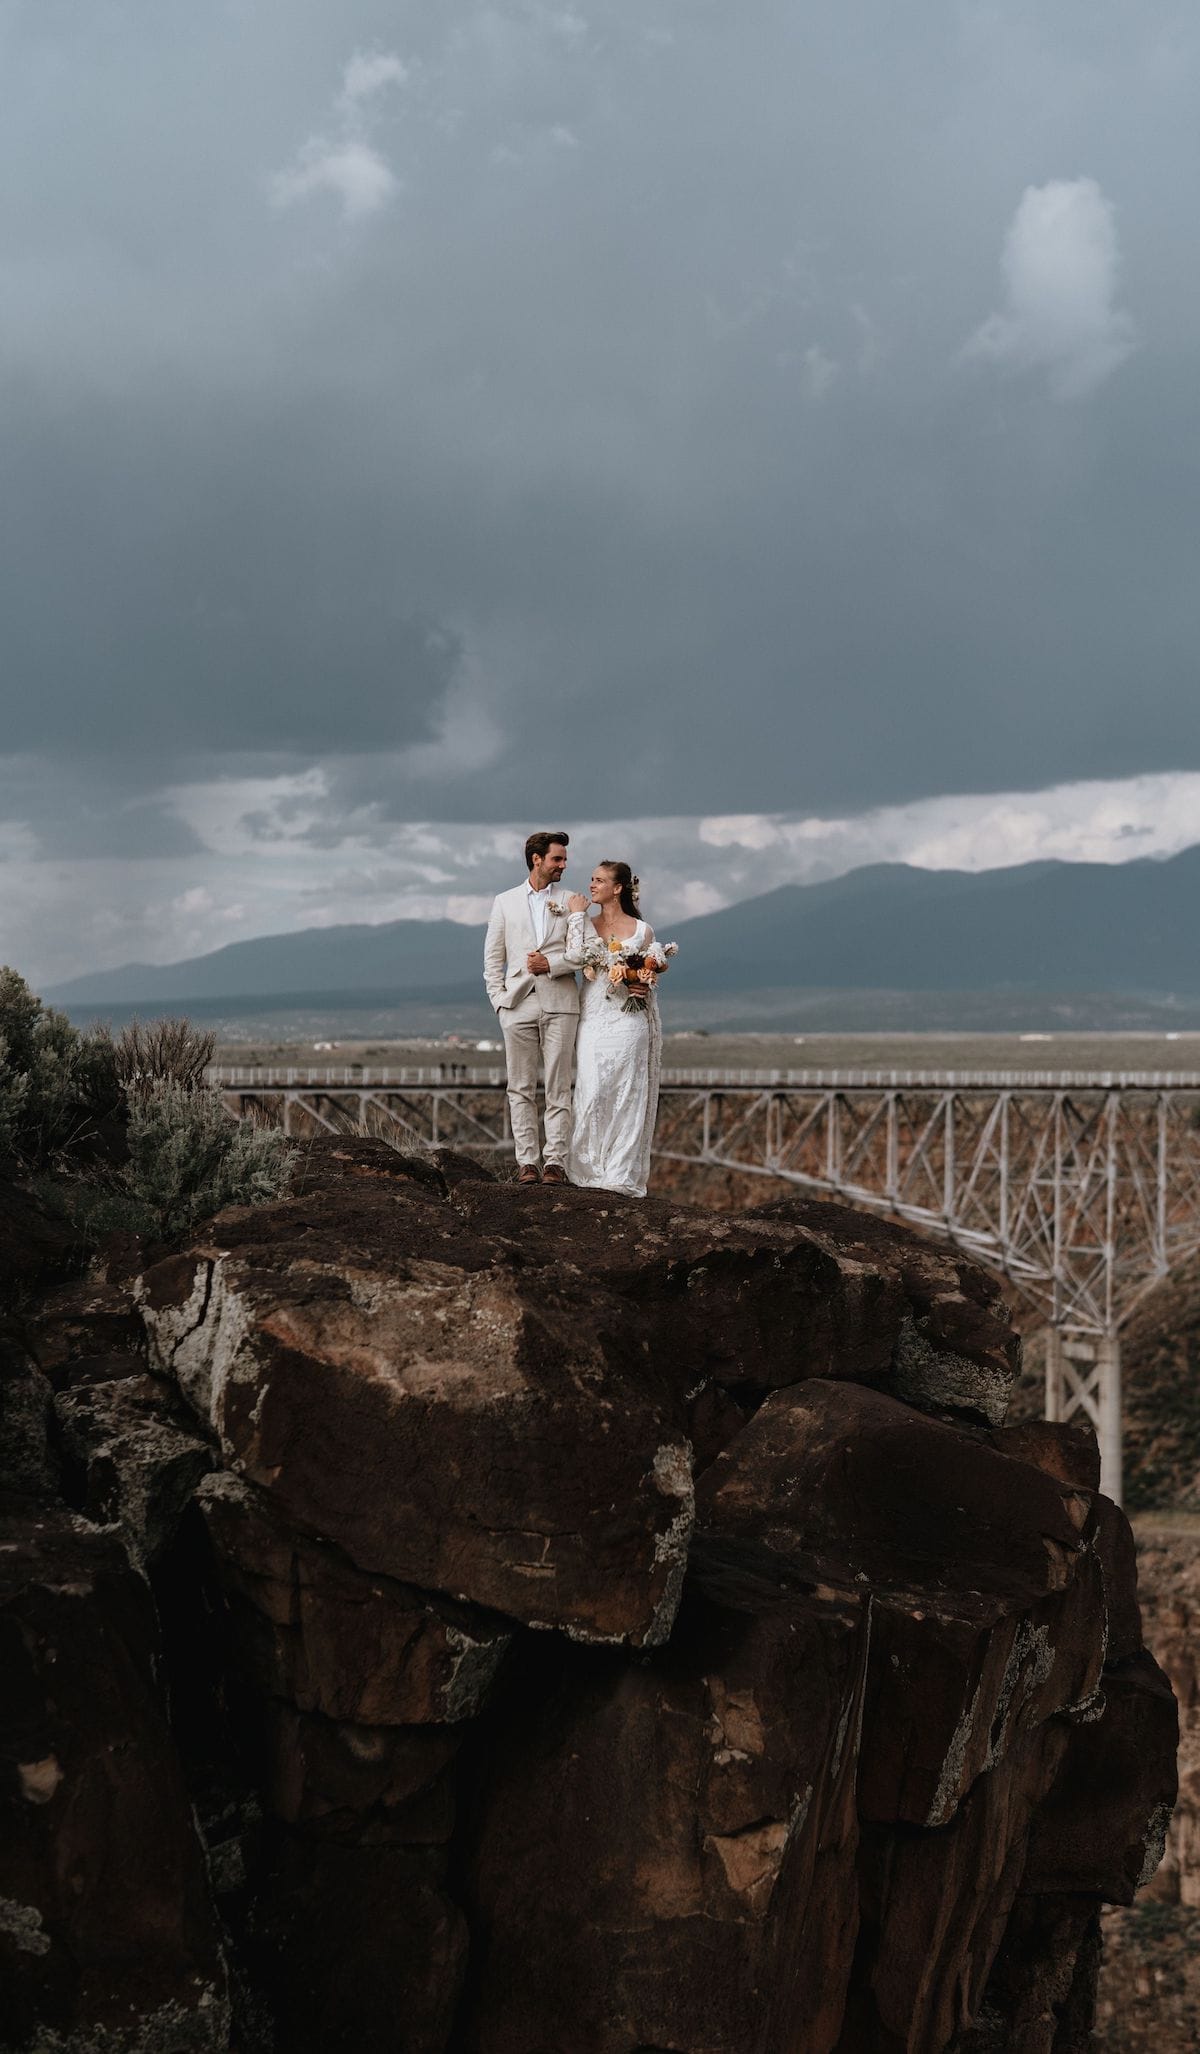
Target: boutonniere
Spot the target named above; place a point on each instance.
(558, 908)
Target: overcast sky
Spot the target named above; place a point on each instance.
(421, 421)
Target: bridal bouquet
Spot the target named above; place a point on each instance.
(632, 973)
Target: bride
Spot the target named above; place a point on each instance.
(618, 1053)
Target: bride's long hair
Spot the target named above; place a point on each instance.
(627, 887)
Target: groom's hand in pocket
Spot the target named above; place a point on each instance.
(536, 964)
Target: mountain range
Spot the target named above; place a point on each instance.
(1130, 928)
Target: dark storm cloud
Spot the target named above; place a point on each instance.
(547, 398)
(210, 581)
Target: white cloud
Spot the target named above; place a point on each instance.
(353, 172)
(693, 897)
(1092, 822)
(1060, 314)
(251, 817)
(346, 163)
(367, 73)
(282, 853)
(740, 831)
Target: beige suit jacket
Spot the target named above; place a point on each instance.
(510, 986)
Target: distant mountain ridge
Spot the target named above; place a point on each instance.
(1038, 927)
(389, 957)
(1049, 926)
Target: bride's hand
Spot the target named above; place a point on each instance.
(577, 903)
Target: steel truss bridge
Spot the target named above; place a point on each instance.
(1082, 1189)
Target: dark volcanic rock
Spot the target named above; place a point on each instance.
(1104, 1825)
(956, 1685)
(358, 1951)
(502, 1447)
(367, 1785)
(513, 1407)
(849, 1484)
(36, 1247)
(704, 1804)
(830, 1664)
(136, 1457)
(1041, 1994)
(107, 1938)
(27, 1462)
(312, 1628)
(935, 1908)
(82, 1322)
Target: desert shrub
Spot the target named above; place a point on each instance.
(154, 1052)
(169, 1153)
(56, 1084)
(187, 1157)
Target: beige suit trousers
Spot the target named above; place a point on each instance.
(530, 1039)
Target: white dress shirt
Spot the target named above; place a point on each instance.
(539, 902)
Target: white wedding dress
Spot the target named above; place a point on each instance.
(618, 1058)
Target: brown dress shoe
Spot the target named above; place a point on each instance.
(554, 1173)
(530, 1174)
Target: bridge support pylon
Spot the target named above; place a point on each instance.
(1083, 1374)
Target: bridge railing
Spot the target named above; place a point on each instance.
(427, 1076)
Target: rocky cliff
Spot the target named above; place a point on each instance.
(439, 1615)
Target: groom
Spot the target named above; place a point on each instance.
(537, 998)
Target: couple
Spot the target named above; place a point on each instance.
(536, 943)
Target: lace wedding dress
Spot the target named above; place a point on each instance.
(618, 1057)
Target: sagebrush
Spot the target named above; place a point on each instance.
(125, 1132)
(56, 1084)
(162, 1051)
(188, 1157)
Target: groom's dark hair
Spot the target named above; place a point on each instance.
(539, 844)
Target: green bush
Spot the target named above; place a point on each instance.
(56, 1084)
(188, 1157)
(171, 1153)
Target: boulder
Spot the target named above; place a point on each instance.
(760, 1300)
(609, 1628)
(956, 1685)
(844, 1484)
(133, 1458)
(1103, 1826)
(37, 1246)
(474, 1432)
(987, 1598)
(311, 1628)
(516, 1405)
(107, 1934)
(935, 1908)
(357, 1951)
(666, 1851)
(85, 1321)
(364, 1785)
(27, 1462)
(1041, 1994)
(1117, 1555)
